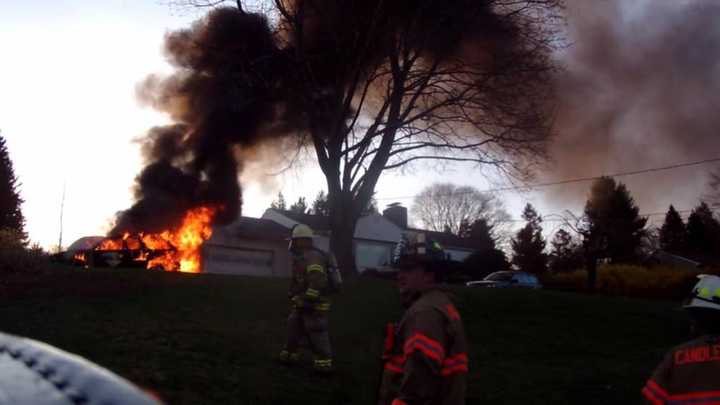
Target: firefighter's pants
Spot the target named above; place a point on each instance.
(312, 325)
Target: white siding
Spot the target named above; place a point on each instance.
(226, 254)
(238, 260)
(372, 255)
(377, 228)
(458, 254)
(375, 239)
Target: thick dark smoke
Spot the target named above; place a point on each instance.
(642, 89)
(240, 84)
(220, 94)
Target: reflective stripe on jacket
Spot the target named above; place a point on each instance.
(309, 280)
(689, 374)
(426, 360)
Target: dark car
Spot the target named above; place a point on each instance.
(507, 279)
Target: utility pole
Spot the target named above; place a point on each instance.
(62, 208)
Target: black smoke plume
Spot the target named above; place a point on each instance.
(240, 82)
(222, 91)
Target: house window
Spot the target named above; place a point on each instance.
(372, 255)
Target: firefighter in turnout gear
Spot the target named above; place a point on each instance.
(425, 358)
(690, 373)
(309, 301)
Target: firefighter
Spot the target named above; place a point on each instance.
(425, 359)
(309, 302)
(690, 373)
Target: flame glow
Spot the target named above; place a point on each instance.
(194, 230)
(180, 249)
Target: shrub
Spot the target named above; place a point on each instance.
(628, 280)
(15, 257)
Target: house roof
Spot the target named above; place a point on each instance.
(448, 240)
(85, 243)
(316, 222)
(257, 228)
(670, 258)
(322, 223)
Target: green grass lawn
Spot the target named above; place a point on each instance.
(211, 339)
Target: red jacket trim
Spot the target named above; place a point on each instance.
(429, 347)
(453, 312)
(455, 364)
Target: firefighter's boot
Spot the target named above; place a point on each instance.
(288, 359)
(323, 366)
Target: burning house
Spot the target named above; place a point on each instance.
(241, 81)
(171, 249)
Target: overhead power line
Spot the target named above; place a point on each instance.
(579, 179)
(560, 218)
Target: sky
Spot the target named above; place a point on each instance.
(68, 110)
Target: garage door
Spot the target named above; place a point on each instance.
(232, 260)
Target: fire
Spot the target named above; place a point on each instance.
(80, 257)
(177, 250)
(110, 244)
(157, 241)
(187, 240)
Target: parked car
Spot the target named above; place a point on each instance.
(507, 279)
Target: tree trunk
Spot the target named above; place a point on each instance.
(591, 266)
(341, 244)
(343, 218)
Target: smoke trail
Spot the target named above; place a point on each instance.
(641, 90)
(219, 96)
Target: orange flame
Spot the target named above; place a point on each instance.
(187, 240)
(110, 244)
(180, 249)
(80, 257)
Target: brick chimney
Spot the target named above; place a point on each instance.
(397, 214)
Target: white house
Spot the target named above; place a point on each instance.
(248, 246)
(375, 235)
(258, 246)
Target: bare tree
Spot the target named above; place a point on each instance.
(443, 206)
(374, 85)
(589, 247)
(713, 194)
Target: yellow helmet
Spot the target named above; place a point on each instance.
(302, 231)
(706, 293)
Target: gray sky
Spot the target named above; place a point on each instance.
(68, 110)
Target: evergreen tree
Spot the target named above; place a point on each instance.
(487, 258)
(300, 206)
(11, 216)
(612, 225)
(482, 234)
(321, 206)
(673, 234)
(703, 232)
(279, 204)
(529, 245)
(565, 254)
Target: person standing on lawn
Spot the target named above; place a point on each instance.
(309, 301)
(690, 373)
(425, 359)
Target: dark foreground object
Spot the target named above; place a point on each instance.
(33, 373)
